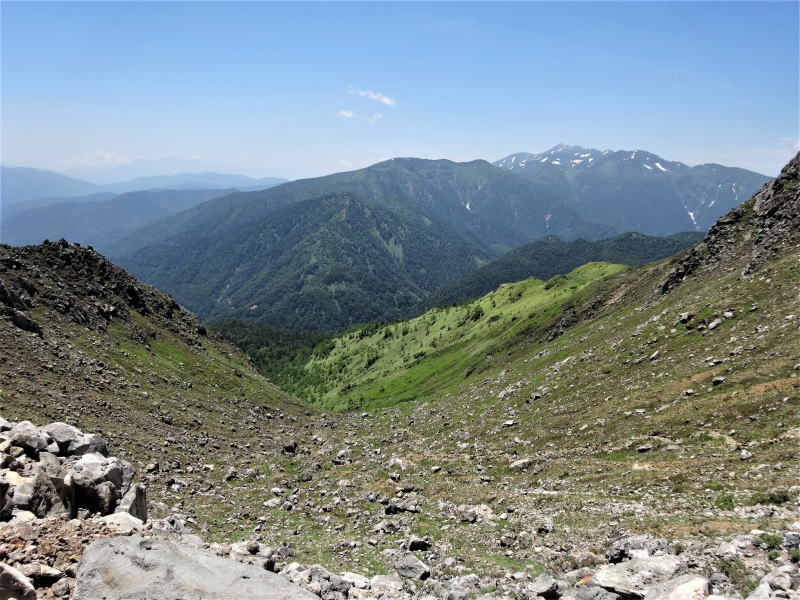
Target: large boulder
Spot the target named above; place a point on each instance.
(685, 587)
(30, 438)
(6, 500)
(135, 502)
(410, 567)
(72, 442)
(637, 546)
(39, 495)
(97, 482)
(14, 584)
(138, 568)
(634, 578)
(783, 582)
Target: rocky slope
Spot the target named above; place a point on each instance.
(54, 473)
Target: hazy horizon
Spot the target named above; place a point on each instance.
(307, 89)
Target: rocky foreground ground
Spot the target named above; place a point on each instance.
(75, 524)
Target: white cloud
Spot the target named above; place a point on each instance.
(349, 114)
(372, 95)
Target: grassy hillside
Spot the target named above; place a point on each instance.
(550, 256)
(381, 365)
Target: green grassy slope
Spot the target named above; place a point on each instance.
(381, 365)
(550, 256)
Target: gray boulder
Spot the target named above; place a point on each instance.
(6, 500)
(783, 582)
(66, 436)
(685, 587)
(634, 578)
(637, 546)
(96, 482)
(137, 568)
(38, 495)
(14, 584)
(72, 442)
(410, 567)
(544, 586)
(595, 593)
(30, 438)
(135, 502)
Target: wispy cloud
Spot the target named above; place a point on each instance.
(349, 114)
(372, 95)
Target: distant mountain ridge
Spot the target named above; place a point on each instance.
(97, 220)
(409, 226)
(20, 185)
(637, 190)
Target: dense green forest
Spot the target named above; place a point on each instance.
(279, 354)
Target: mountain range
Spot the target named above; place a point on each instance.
(372, 244)
(277, 255)
(330, 252)
(24, 187)
(637, 190)
(99, 220)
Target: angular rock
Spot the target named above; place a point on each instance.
(65, 436)
(685, 587)
(410, 567)
(122, 522)
(544, 586)
(39, 495)
(637, 546)
(14, 584)
(137, 568)
(135, 502)
(29, 437)
(386, 585)
(634, 578)
(96, 481)
(595, 593)
(782, 582)
(6, 500)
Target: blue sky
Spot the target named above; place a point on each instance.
(282, 88)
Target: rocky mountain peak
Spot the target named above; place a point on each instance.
(80, 286)
(753, 233)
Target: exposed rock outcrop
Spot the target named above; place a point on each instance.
(752, 233)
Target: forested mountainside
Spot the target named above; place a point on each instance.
(234, 257)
